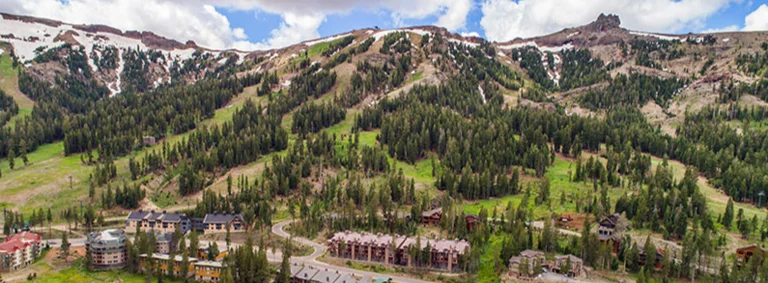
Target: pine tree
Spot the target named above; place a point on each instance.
(226, 277)
(727, 219)
(64, 248)
(184, 268)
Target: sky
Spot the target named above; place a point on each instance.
(265, 24)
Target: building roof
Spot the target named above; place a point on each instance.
(531, 253)
(168, 257)
(307, 273)
(431, 212)
(347, 278)
(326, 276)
(111, 237)
(209, 263)
(295, 268)
(12, 246)
(221, 218)
(610, 220)
(155, 216)
(574, 259)
(26, 237)
(515, 260)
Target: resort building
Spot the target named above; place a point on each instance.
(158, 221)
(530, 256)
(19, 250)
(164, 263)
(218, 223)
(388, 249)
(432, 216)
(562, 262)
(312, 274)
(743, 254)
(107, 249)
(208, 271)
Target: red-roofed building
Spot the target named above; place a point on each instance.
(19, 250)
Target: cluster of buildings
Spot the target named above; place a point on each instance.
(393, 249)
(108, 251)
(433, 217)
(19, 250)
(167, 222)
(568, 265)
(311, 274)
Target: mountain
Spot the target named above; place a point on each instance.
(670, 130)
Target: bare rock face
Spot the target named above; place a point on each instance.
(605, 22)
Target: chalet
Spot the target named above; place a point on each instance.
(208, 271)
(393, 250)
(607, 226)
(218, 222)
(164, 241)
(149, 140)
(561, 265)
(606, 232)
(432, 216)
(532, 257)
(158, 221)
(743, 254)
(471, 220)
(164, 263)
(19, 250)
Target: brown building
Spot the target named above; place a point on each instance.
(388, 249)
(202, 253)
(657, 258)
(107, 249)
(208, 271)
(606, 232)
(432, 217)
(19, 250)
(218, 223)
(158, 221)
(471, 220)
(561, 262)
(164, 263)
(743, 254)
(532, 257)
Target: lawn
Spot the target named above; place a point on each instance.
(78, 274)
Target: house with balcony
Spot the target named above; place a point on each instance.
(19, 250)
(107, 248)
(158, 221)
(218, 223)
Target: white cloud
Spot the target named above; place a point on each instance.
(723, 29)
(198, 20)
(757, 20)
(507, 19)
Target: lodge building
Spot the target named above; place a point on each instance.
(19, 250)
(107, 249)
(389, 249)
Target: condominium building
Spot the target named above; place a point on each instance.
(218, 223)
(393, 249)
(208, 271)
(19, 250)
(158, 221)
(164, 263)
(107, 248)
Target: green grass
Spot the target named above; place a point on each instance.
(318, 49)
(559, 181)
(417, 76)
(78, 274)
(9, 84)
(488, 261)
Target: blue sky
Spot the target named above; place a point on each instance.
(259, 24)
(264, 24)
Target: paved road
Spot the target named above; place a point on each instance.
(279, 230)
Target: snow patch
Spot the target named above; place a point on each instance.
(573, 34)
(327, 39)
(726, 39)
(664, 37)
(471, 44)
(120, 65)
(368, 32)
(482, 93)
(1, 52)
(287, 83)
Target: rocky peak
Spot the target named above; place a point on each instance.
(605, 22)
